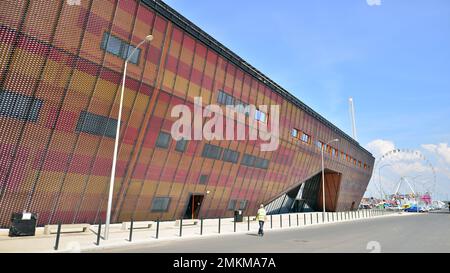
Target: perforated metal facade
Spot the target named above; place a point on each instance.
(59, 88)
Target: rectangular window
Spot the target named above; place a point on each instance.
(181, 145)
(261, 163)
(203, 179)
(120, 48)
(212, 151)
(225, 99)
(230, 156)
(221, 97)
(230, 100)
(306, 138)
(243, 204)
(19, 106)
(112, 44)
(135, 58)
(319, 145)
(96, 125)
(160, 204)
(163, 140)
(248, 160)
(260, 116)
(294, 133)
(232, 205)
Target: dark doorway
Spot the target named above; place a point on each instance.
(353, 206)
(193, 206)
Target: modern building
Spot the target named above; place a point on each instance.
(61, 64)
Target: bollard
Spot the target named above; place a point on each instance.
(201, 226)
(310, 217)
(281, 221)
(235, 223)
(304, 219)
(332, 217)
(219, 225)
(328, 217)
(248, 223)
(57, 236)
(131, 230)
(289, 220)
(99, 231)
(181, 227)
(157, 228)
(317, 218)
(271, 222)
(297, 221)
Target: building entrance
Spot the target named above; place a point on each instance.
(193, 206)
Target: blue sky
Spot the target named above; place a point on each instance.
(393, 58)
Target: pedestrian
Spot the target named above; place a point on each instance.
(261, 217)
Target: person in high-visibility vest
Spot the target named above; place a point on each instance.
(261, 217)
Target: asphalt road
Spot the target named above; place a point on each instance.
(428, 232)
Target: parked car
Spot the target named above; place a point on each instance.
(414, 209)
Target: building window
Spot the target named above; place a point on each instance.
(261, 163)
(319, 144)
(241, 107)
(203, 179)
(294, 133)
(212, 151)
(230, 156)
(306, 138)
(96, 125)
(225, 99)
(163, 140)
(19, 106)
(120, 48)
(232, 205)
(181, 145)
(260, 116)
(243, 204)
(160, 203)
(333, 151)
(248, 160)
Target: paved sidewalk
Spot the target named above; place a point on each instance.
(77, 242)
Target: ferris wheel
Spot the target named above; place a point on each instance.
(405, 172)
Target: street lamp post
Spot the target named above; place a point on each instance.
(149, 38)
(323, 178)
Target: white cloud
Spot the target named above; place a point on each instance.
(442, 151)
(373, 2)
(379, 147)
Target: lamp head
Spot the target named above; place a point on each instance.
(149, 38)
